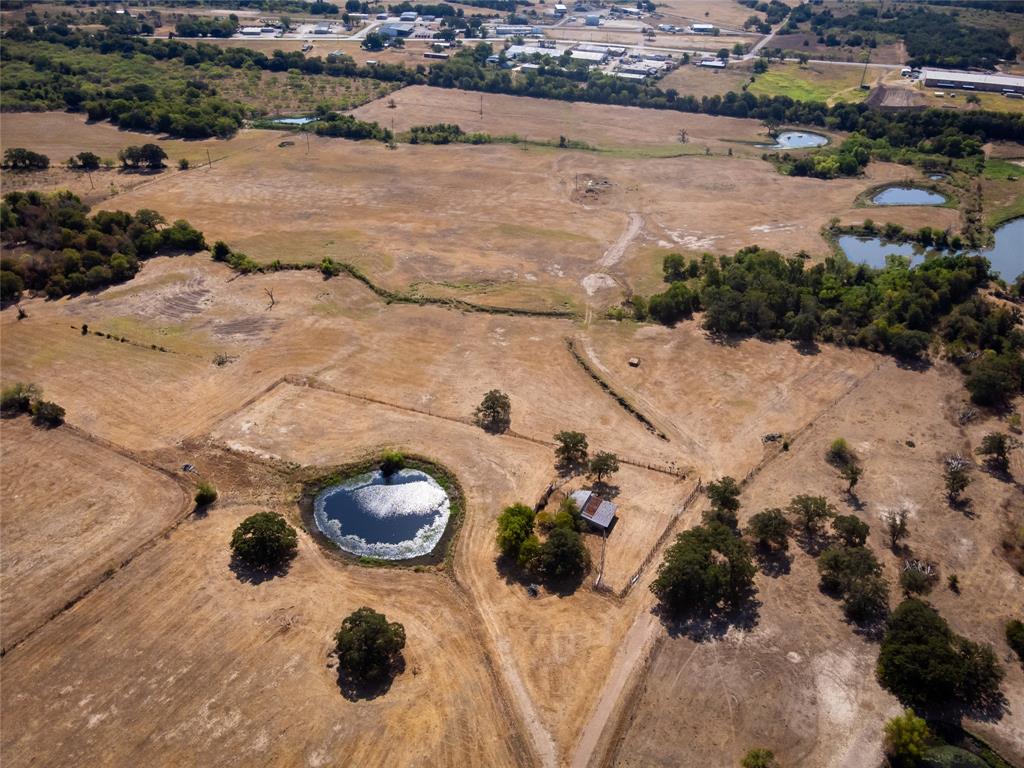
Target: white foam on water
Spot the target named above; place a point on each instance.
(419, 495)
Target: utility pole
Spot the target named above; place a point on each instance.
(209, 160)
(307, 141)
(481, 106)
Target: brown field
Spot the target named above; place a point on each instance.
(728, 14)
(169, 657)
(700, 82)
(73, 510)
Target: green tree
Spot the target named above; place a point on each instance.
(20, 159)
(896, 526)
(515, 526)
(206, 494)
(759, 758)
(603, 464)
(562, 556)
(851, 530)
(18, 398)
(810, 512)
(906, 739)
(264, 541)
(11, 286)
(851, 473)
(914, 581)
(707, 566)
(995, 447)
(571, 450)
(495, 411)
(47, 414)
(995, 378)
(770, 529)
(368, 646)
(924, 664)
(956, 478)
(840, 453)
(391, 462)
(724, 496)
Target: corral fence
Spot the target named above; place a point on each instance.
(687, 503)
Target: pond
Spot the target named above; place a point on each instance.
(907, 196)
(797, 140)
(873, 250)
(1006, 254)
(294, 120)
(393, 518)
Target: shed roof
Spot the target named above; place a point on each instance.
(593, 508)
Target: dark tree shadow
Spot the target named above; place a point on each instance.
(917, 364)
(514, 574)
(494, 427)
(807, 348)
(772, 562)
(964, 506)
(702, 625)
(606, 490)
(853, 500)
(248, 574)
(813, 542)
(364, 690)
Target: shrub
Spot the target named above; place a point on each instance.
(18, 398)
(47, 414)
(391, 462)
(840, 453)
(264, 541)
(706, 567)
(906, 739)
(515, 526)
(19, 159)
(759, 758)
(995, 446)
(916, 582)
(368, 646)
(206, 494)
(924, 664)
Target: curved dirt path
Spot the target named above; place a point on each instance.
(614, 254)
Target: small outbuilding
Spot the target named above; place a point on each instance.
(597, 511)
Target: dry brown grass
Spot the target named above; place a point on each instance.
(175, 660)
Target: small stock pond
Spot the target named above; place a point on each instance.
(797, 140)
(907, 196)
(1006, 254)
(397, 517)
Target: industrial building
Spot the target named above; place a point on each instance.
(593, 20)
(398, 29)
(703, 29)
(972, 81)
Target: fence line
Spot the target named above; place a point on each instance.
(663, 537)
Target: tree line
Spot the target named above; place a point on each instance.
(64, 250)
(896, 310)
(468, 70)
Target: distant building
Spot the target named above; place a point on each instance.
(409, 16)
(561, 9)
(712, 63)
(614, 51)
(591, 57)
(397, 29)
(511, 30)
(250, 31)
(703, 29)
(595, 510)
(322, 29)
(593, 20)
(972, 81)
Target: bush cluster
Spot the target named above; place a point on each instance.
(561, 555)
(71, 252)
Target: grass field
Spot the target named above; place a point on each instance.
(829, 83)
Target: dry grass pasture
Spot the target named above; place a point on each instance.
(129, 637)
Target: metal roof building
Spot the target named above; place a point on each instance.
(594, 509)
(972, 81)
